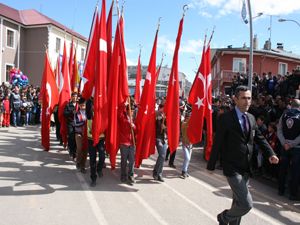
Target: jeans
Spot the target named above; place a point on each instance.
(187, 154)
(290, 158)
(127, 154)
(16, 118)
(242, 199)
(93, 157)
(161, 149)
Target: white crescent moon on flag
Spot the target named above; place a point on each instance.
(208, 85)
(202, 78)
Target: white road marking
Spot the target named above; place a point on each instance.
(92, 201)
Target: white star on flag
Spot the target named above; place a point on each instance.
(199, 102)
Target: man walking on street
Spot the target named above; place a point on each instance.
(234, 139)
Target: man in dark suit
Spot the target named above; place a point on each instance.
(234, 139)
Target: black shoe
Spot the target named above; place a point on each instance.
(280, 192)
(93, 183)
(159, 178)
(123, 179)
(172, 166)
(183, 175)
(294, 198)
(131, 179)
(83, 170)
(220, 220)
(100, 173)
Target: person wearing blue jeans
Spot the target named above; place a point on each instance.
(187, 147)
(160, 144)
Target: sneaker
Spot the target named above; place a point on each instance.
(159, 178)
(93, 183)
(131, 179)
(172, 166)
(83, 170)
(183, 175)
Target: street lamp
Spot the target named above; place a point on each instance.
(251, 47)
(284, 20)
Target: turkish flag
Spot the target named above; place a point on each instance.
(50, 96)
(208, 106)
(137, 94)
(172, 102)
(89, 70)
(145, 120)
(71, 72)
(100, 98)
(123, 77)
(64, 96)
(197, 98)
(111, 141)
(109, 36)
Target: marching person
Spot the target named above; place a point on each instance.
(69, 112)
(93, 150)
(79, 126)
(234, 139)
(187, 147)
(127, 147)
(160, 143)
(288, 132)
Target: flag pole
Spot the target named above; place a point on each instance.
(130, 119)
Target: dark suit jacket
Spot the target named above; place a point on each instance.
(233, 145)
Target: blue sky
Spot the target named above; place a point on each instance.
(141, 17)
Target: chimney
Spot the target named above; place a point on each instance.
(267, 45)
(255, 42)
(280, 46)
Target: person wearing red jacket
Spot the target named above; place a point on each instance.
(6, 113)
(127, 146)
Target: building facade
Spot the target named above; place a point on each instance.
(162, 82)
(228, 62)
(24, 37)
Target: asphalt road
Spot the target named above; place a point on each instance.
(44, 188)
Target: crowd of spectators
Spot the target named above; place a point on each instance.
(19, 106)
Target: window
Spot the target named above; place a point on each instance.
(8, 68)
(57, 46)
(298, 67)
(239, 65)
(10, 38)
(282, 69)
(82, 54)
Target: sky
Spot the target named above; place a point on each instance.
(141, 19)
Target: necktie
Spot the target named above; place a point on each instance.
(245, 124)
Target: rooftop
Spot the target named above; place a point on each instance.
(32, 17)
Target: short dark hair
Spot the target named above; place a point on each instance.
(241, 88)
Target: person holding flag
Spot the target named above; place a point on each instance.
(127, 142)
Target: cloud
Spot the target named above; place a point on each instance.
(225, 7)
(130, 62)
(189, 46)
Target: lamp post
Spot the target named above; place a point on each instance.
(251, 48)
(284, 20)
